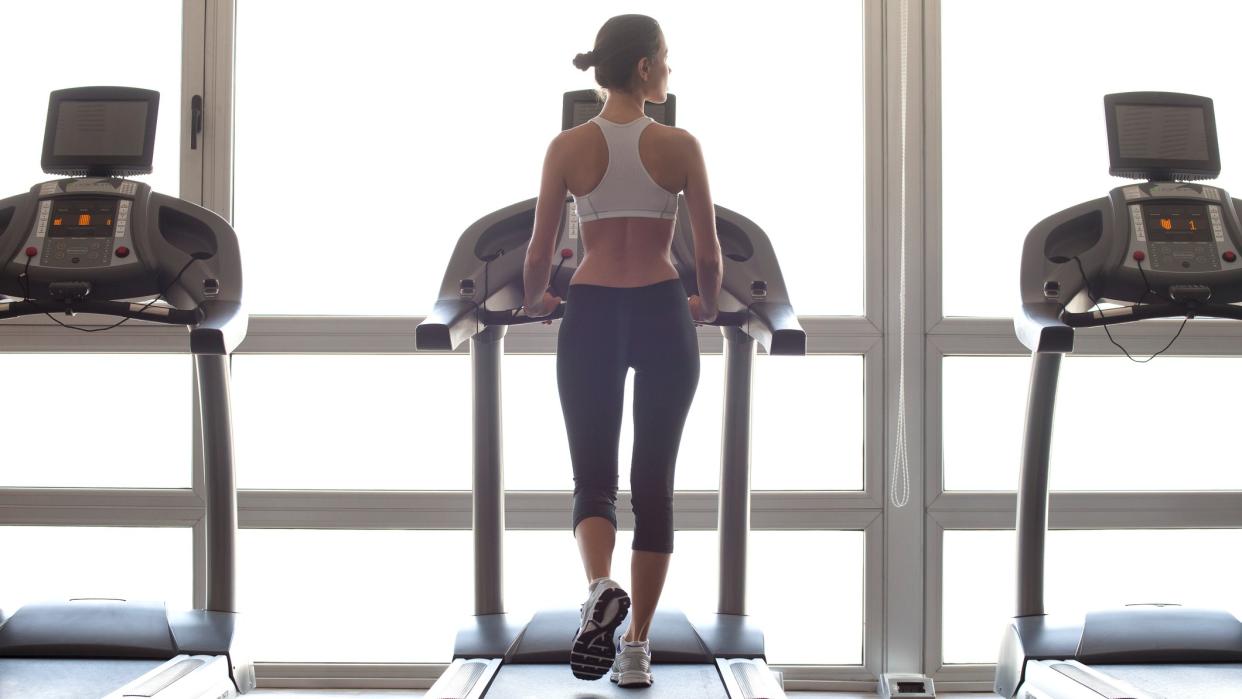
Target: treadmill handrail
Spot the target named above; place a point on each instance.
(773, 325)
(1130, 314)
(118, 309)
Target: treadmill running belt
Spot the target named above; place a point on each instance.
(58, 678)
(681, 681)
(1169, 681)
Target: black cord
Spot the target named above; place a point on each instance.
(1091, 295)
(160, 295)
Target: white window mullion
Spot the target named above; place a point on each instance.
(903, 558)
(193, 14)
(216, 141)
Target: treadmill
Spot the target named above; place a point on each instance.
(98, 246)
(1162, 248)
(501, 657)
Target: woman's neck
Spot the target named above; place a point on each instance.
(623, 107)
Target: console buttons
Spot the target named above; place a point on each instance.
(1230, 256)
(1186, 264)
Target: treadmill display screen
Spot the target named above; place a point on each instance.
(100, 128)
(1177, 222)
(82, 218)
(1160, 132)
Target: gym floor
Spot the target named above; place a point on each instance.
(394, 694)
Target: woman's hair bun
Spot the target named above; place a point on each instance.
(584, 60)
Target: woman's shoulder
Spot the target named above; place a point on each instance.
(674, 138)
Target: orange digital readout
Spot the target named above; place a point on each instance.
(57, 221)
(84, 219)
(1166, 223)
(1193, 225)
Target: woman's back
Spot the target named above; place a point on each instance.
(625, 250)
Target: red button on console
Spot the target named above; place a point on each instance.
(1139, 255)
(1230, 256)
(122, 251)
(567, 253)
(32, 251)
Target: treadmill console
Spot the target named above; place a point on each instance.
(1180, 229)
(82, 224)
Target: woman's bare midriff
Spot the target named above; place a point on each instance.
(626, 252)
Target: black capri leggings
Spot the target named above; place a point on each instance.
(605, 331)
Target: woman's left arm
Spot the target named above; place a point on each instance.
(548, 208)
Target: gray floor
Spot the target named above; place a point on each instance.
(385, 694)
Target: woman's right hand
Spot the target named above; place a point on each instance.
(698, 313)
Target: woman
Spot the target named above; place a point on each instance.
(626, 309)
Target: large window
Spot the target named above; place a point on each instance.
(409, 126)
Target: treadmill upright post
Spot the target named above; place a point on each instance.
(486, 349)
(734, 522)
(217, 434)
(1032, 521)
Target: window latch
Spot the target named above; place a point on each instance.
(196, 120)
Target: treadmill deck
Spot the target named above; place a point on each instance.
(58, 678)
(1175, 681)
(700, 681)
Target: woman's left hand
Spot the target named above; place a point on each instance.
(546, 306)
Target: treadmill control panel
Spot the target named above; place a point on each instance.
(78, 225)
(1184, 233)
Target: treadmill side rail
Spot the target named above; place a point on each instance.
(188, 676)
(746, 678)
(1068, 679)
(465, 679)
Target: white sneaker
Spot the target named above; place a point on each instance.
(632, 667)
(594, 647)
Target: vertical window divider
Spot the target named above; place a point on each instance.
(905, 335)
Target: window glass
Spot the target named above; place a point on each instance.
(808, 421)
(131, 563)
(786, 567)
(74, 43)
(352, 421)
(1118, 425)
(1020, 142)
(358, 596)
(1149, 566)
(413, 125)
(98, 421)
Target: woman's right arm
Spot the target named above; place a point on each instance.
(707, 257)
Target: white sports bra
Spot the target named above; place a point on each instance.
(627, 188)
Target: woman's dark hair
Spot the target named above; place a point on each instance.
(619, 45)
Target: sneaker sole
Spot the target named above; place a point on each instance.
(594, 649)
